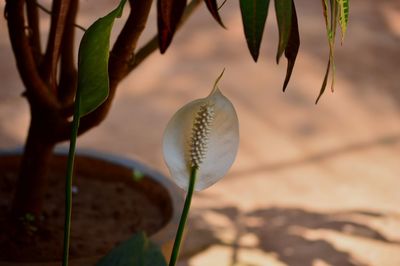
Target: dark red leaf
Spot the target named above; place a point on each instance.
(292, 46)
(169, 13)
(213, 8)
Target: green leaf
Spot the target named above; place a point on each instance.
(137, 175)
(92, 91)
(254, 15)
(136, 251)
(292, 47)
(283, 10)
(343, 16)
(213, 8)
(93, 81)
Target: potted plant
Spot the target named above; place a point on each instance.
(68, 99)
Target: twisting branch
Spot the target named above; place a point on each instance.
(34, 37)
(152, 45)
(146, 50)
(68, 72)
(127, 40)
(122, 62)
(58, 18)
(120, 56)
(118, 64)
(45, 10)
(37, 92)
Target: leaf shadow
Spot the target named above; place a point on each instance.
(275, 232)
(385, 141)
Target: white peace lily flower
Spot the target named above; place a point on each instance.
(203, 134)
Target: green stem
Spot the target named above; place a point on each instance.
(182, 222)
(68, 179)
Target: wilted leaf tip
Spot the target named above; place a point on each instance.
(215, 87)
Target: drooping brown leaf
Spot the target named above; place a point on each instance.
(331, 25)
(323, 87)
(334, 22)
(169, 13)
(213, 8)
(292, 47)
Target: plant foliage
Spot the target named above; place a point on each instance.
(93, 80)
(292, 47)
(330, 11)
(169, 14)
(343, 16)
(92, 91)
(213, 8)
(254, 15)
(136, 251)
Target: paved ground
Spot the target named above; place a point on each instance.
(312, 185)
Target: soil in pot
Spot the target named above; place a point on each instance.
(108, 207)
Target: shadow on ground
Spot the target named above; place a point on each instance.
(388, 141)
(280, 231)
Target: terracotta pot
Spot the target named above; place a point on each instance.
(111, 168)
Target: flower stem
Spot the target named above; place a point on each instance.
(184, 216)
(68, 179)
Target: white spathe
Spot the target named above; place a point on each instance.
(221, 144)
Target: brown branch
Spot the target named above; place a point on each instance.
(127, 40)
(150, 47)
(68, 73)
(45, 10)
(122, 63)
(58, 17)
(123, 49)
(119, 57)
(33, 23)
(37, 92)
(118, 64)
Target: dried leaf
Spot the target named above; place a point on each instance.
(323, 87)
(331, 25)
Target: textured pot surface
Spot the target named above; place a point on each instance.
(108, 168)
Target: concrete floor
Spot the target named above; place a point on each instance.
(311, 185)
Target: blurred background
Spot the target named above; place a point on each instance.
(312, 184)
